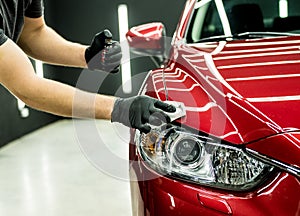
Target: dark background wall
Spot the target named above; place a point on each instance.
(12, 125)
(78, 21)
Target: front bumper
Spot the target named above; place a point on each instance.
(156, 195)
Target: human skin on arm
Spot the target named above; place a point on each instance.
(41, 42)
(17, 75)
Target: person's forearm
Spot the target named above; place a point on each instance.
(64, 100)
(43, 43)
(17, 75)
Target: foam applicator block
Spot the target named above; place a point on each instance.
(180, 110)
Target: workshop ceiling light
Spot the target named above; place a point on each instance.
(126, 66)
(283, 8)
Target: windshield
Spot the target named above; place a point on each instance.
(215, 18)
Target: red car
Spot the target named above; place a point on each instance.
(236, 67)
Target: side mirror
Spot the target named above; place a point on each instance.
(148, 40)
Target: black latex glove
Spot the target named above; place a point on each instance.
(137, 112)
(104, 54)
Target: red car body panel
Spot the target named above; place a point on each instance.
(245, 92)
(249, 92)
(283, 147)
(242, 106)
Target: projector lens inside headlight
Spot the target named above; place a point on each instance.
(187, 151)
(181, 154)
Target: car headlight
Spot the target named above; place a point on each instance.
(181, 154)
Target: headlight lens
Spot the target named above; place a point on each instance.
(179, 153)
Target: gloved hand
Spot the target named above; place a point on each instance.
(104, 54)
(138, 111)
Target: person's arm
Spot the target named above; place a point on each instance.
(42, 42)
(17, 75)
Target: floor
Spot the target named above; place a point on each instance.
(62, 170)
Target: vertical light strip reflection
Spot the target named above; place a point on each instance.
(39, 68)
(24, 111)
(126, 66)
(283, 8)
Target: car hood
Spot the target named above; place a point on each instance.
(238, 91)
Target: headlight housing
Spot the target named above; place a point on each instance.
(179, 153)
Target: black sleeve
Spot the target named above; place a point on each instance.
(3, 37)
(35, 9)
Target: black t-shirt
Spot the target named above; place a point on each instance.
(12, 14)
